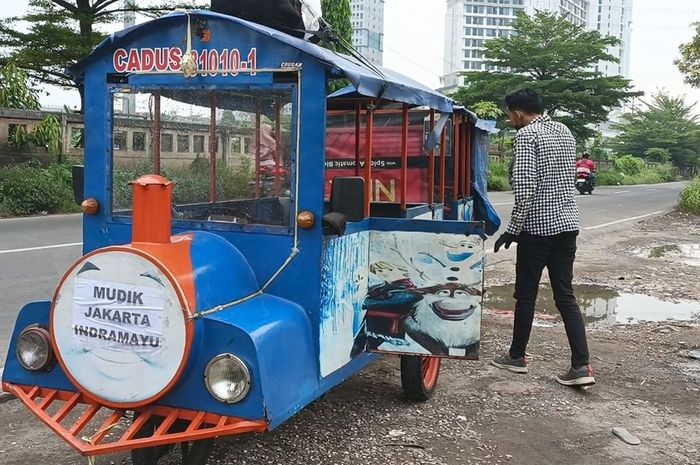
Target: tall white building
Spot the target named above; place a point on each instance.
(469, 23)
(613, 18)
(368, 29)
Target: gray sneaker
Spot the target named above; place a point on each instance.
(582, 376)
(506, 362)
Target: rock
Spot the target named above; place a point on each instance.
(394, 433)
(626, 436)
(695, 354)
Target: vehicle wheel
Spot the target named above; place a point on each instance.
(193, 453)
(419, 376)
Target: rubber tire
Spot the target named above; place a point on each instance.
(416, 384)
(198, 452)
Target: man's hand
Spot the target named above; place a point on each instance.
(506, 240)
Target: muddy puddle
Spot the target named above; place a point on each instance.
(688, 254)
(599, 305)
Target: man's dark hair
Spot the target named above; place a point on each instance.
(526, 100)
(586, 155)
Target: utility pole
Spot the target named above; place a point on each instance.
(129, 100)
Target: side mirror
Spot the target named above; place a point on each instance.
(348, 197)
(78, 175)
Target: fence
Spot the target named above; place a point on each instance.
(181, 142)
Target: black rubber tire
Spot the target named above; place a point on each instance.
(413, 380)
(197, 452)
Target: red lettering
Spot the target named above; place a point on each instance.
(134, 62)
(223, 62)
(253, 61)
(202, 61)
(119, 60)
(213, 63)
(175, 59)
(234, 61)
(147, 59)
(161, 59)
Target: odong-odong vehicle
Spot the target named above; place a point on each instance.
(212, 300)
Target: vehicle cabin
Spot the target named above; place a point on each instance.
(290, 267)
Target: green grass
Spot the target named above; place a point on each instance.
(499, 175)
(30, 189)
(690, 198)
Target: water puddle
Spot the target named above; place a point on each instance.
(599, 305)
(688, 254)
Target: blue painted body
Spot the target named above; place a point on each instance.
(277, 334)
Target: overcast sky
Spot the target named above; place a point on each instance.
(414, 35)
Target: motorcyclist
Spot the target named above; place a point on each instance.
(586, 162)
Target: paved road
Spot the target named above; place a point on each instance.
(35, 252)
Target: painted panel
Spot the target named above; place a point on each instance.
(425, 294)
(344, 266)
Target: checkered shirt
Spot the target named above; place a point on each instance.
(544, 172)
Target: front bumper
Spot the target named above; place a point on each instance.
(93, 429)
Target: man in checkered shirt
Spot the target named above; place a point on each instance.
(545, 224)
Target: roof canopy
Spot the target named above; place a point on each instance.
(367, 82)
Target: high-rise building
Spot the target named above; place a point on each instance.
(469, 23)
(613, 18)
(368, 28)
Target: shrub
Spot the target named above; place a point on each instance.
(629, 165)
(609, 178)
(690, 198)
(29, 188)
(499, 175)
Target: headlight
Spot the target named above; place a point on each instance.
(34, 349)
(227, 378)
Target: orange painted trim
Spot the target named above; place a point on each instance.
(431, 369)
(404, 156)
(144, 250)
(443, 164)
(431, 163)
(369, 129)
(203, 425)
(358, 128)
(468, 161)
(456, 150)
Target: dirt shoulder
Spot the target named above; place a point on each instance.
(480, 415)
(643, 258)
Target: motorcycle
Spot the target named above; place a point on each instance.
(584, 180)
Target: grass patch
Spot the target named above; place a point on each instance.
(629, 170)
(30, 188)
(499, 175)
(690, 198)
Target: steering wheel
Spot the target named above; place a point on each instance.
(224, 213)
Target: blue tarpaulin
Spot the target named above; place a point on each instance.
(368, 82)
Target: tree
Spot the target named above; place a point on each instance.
(665, 122)
(689, 62)
(337, 13)
(557, 58)
(15, 91)
(60, 33)
(487, 110)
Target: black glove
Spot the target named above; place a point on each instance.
(506, 240)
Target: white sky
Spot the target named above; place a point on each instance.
(414, 31)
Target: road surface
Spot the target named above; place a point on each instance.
(35, 252)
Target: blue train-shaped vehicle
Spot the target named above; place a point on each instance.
(221, 295)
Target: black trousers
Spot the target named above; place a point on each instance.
(557, 253)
